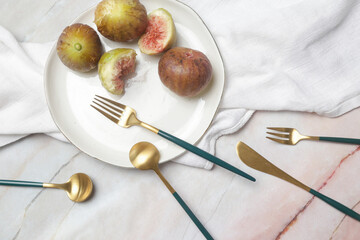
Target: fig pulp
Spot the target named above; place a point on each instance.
(160, 33)
(185, 71)
(115, 66)
(79, 47)
(121, 20)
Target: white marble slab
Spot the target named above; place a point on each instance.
(130, 204)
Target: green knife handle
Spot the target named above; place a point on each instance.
(20, 183)
(342, 140)
(204, 154)
(192, 216)
(336, 205)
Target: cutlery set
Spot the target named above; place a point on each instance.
(145, 156)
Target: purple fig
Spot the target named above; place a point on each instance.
(185, 71)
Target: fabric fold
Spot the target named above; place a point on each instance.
(278, 56)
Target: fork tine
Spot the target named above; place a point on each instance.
(108, 110)
(279, 134)
(110, 106)
(106, 114)
(280, 129)
(113, 102)
(280, 140)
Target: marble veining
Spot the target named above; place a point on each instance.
(229, 206)
(332, 175)
(131, 204)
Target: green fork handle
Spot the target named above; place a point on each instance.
(204, 154)
(20, 183)
(336, 205)
(192, 216)
(341, 140)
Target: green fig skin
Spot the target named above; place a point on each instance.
(185, 71)
(79, 47)
(160, 33)
(121, 20)
(114, 68)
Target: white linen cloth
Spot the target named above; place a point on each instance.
(279, 55)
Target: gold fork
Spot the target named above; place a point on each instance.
(291, 136)
(125, 116)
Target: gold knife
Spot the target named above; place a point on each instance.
(254, 160)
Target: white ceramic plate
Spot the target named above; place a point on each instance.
(69, 95)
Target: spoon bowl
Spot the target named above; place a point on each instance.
(144, 156)
(79, 187)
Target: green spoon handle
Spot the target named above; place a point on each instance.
(183, 204)
(341, 140)
(20, 183)
(336, 205)
(192, 216)
(205, 155)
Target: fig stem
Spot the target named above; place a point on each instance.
(77, 46)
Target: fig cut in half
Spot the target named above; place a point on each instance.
(116, 66)
(160, 33)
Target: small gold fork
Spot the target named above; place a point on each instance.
(125, 116)
(291, 136)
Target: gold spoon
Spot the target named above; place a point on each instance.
(78, 188)
(145, 156)
(254, 160)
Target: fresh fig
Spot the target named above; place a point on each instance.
(121, 20)
(160, 33)
(115, 66)
(185, 71)
(79, 47)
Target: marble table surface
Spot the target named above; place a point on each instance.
(130, 204)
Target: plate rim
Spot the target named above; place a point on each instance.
(130, 166)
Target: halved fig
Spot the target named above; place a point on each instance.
(79, 47)
(121, 20)
(115, 66)
(160, 33)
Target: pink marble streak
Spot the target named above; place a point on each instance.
(347, 228)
